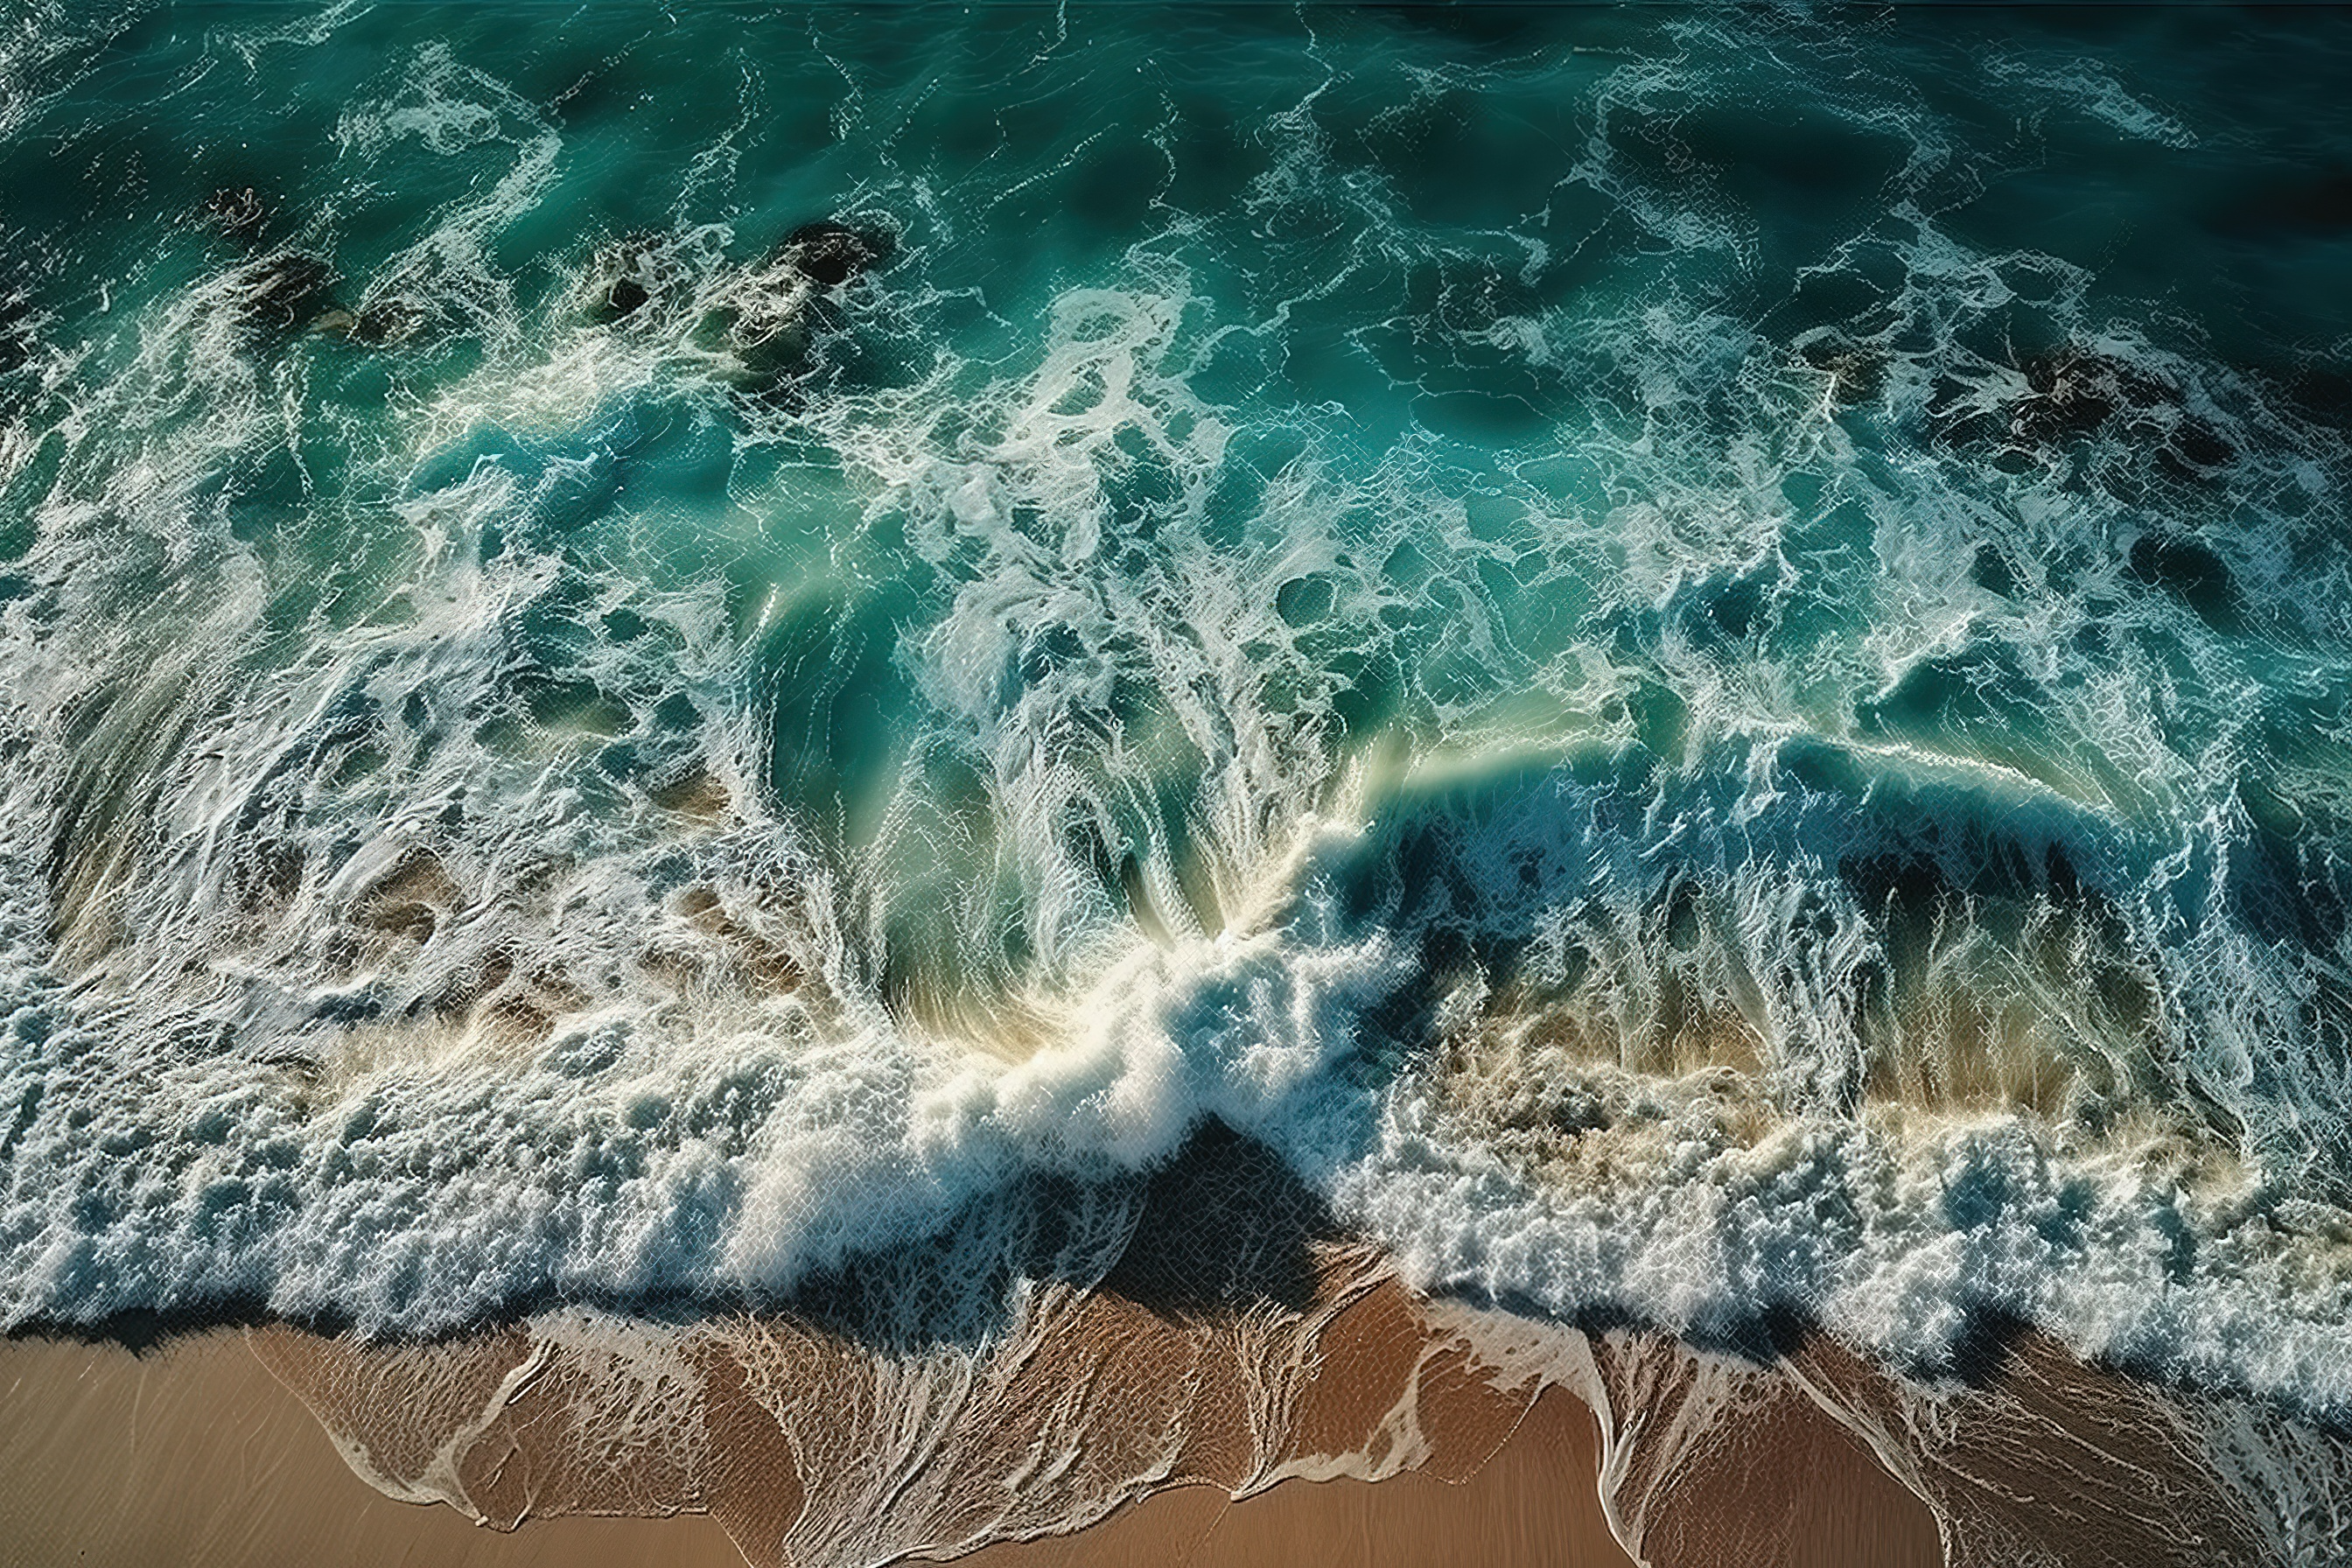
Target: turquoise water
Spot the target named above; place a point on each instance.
(1698, 660)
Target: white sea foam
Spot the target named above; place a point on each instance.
(1705, 858)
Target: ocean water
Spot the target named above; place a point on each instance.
(1697, 660)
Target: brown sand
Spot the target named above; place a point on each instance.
(1533, 1505)
(198, 1453)
(195, 1454)
(2048, 1456)
(1726, 1463)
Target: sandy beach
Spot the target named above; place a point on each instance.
(1331, 1418)
(192, 1453)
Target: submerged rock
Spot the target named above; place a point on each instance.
(2077, 391)
(279, 292)
(625, 275)
(382, 324)
(778, 313)
(1857, 372)
(829, 254)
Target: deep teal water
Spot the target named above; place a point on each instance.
(1764, 592)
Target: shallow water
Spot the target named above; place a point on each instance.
(1698, 662)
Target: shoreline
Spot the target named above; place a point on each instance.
(1367, 1428)
(191, 1452)
(195, 1452)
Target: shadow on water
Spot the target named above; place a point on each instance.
(1222, 1231)
(1473, 876)
(1221, 1228)
(1224, 1225)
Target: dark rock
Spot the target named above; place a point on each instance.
(829, 254)
(378, 324)
(1856, 373)
(388, 321)
(279, 292)
(2076, 390)
(781, 320)
(625, 275)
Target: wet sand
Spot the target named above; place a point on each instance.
(1532, 1505)
(194, 1453)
